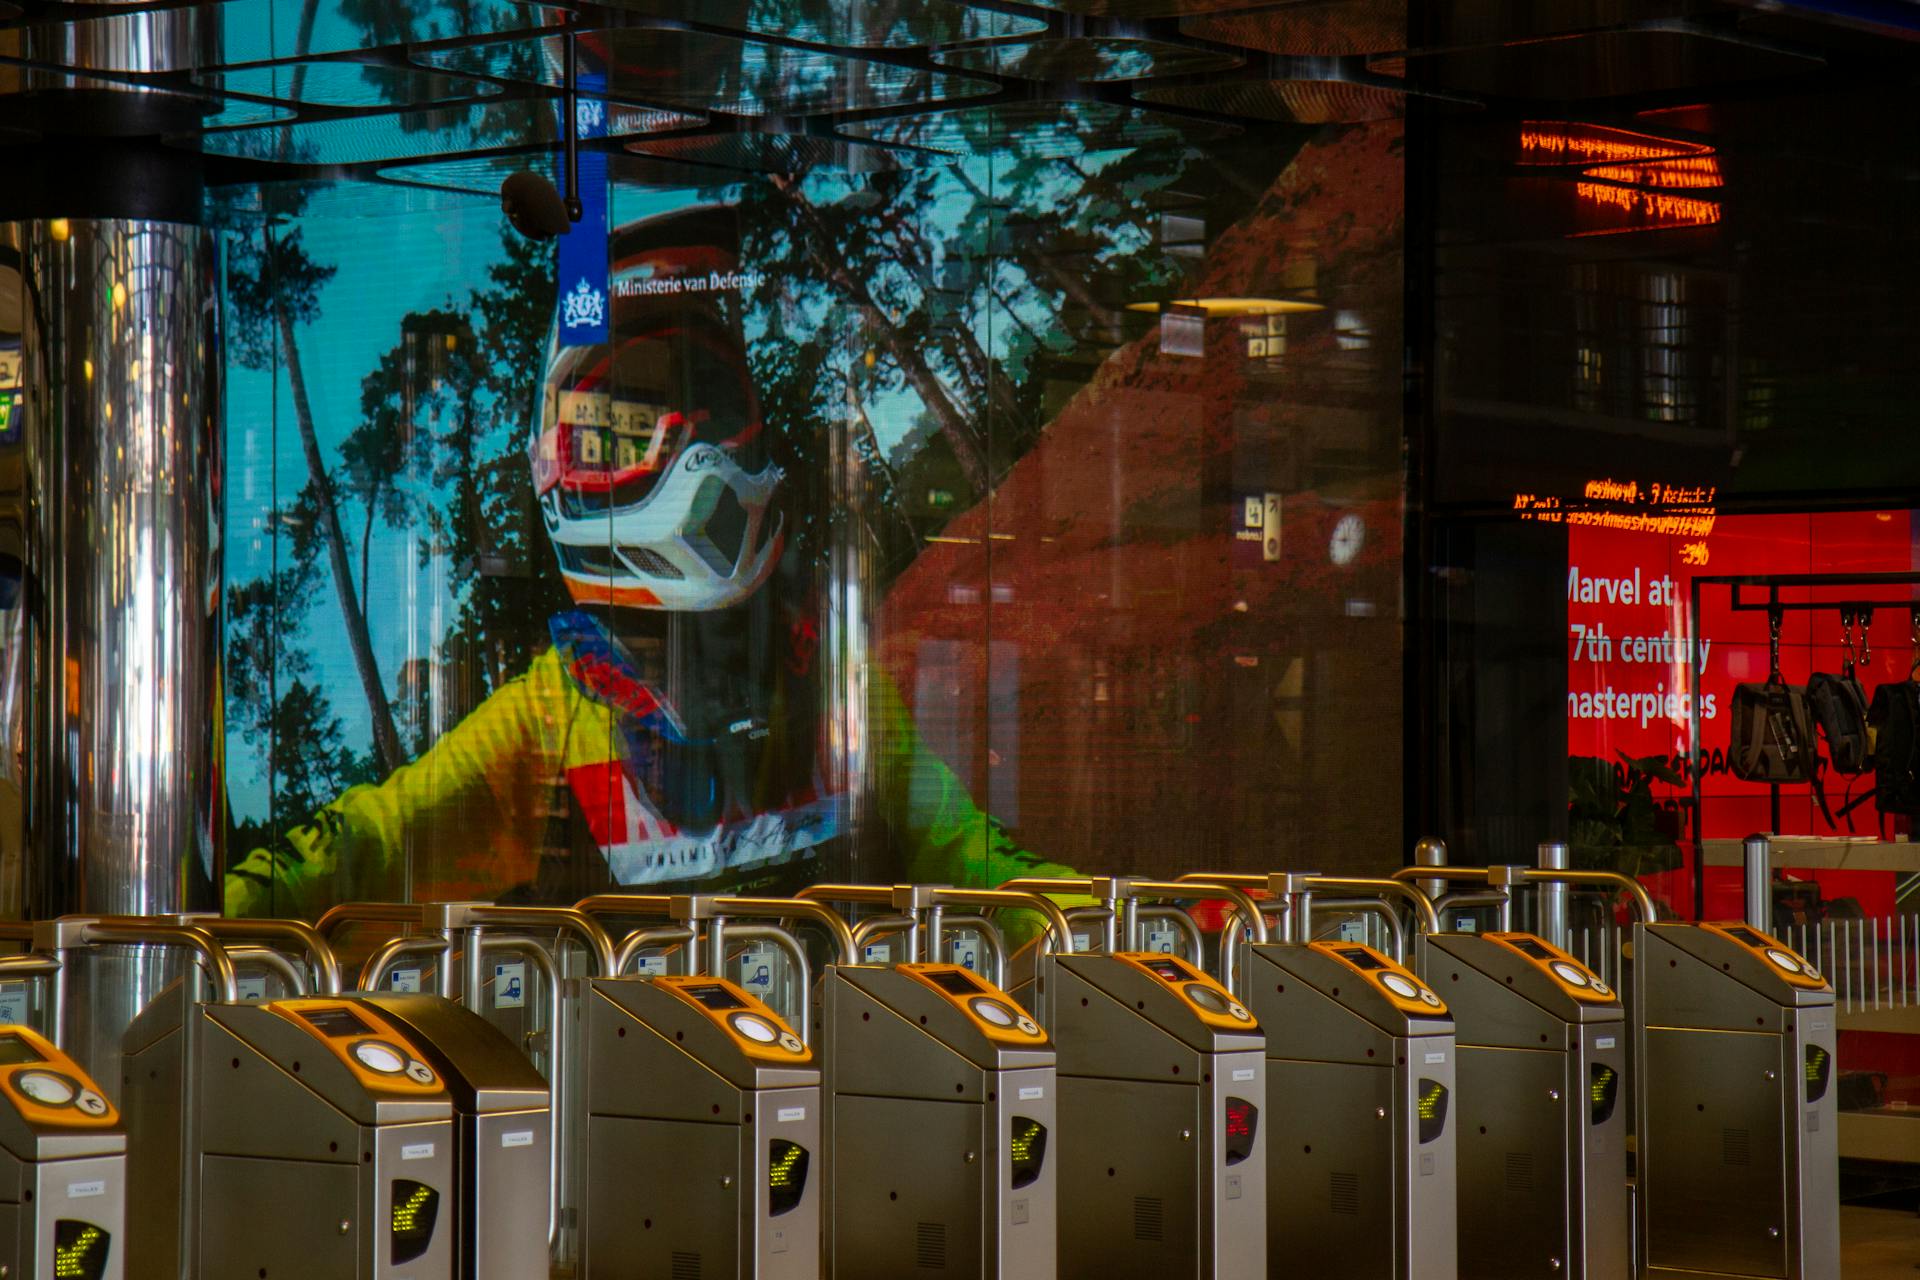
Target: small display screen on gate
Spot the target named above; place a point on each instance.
(1747, 936)
(1028, 1148)
(15, 1049)
(1530, 947)
(954, 982)
(416, 1206)
(1243, 1121)
(714, 996)
(336, 1023)
(786, 1176)
(1361, 958)
(1168, 970)
(1431, 1104)
(80, 1250)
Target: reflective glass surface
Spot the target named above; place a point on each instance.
(1309, 27)
(1291, 101)
(409, 134)
(344, 84)
(847, 23)
(1037, 129)
(1084, 58)
(702, 71)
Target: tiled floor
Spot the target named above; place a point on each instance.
(1879, 1244)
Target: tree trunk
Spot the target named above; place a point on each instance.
(386, 739)
(959, 434)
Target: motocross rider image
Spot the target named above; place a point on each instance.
(676, 730)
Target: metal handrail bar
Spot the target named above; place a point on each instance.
(559, 1088)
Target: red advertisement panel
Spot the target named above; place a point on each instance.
(1635, 665)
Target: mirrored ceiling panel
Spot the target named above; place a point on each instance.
(1037, 130)
(1141, 8)
(346, 84)
(1309, 28)
(406, 135)
(245, 31)
(482, 175)
(1286, 101)
(764, 153)
(1608, 64)
(705, 72)
(1084, 58)
(853, 24)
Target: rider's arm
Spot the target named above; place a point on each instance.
(941, 835)
(479, 784)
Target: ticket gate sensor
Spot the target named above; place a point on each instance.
(1180, 1187)
(1738, 1161)
(503, 1214)
(703, 1134)
(940, 1103)
(1360, 1085)
(940, 1106)
(1162, 1081)
(321, 1142)
(1540, 1108)
(63, 1166)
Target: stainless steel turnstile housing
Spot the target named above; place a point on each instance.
(63, 1166)
(1360, 1142)
(1734, 1106)
(503, 1140)
(1540, 1109)
(1162, 1081)
(322, 1143)
(940, 1097)
(703, 1135)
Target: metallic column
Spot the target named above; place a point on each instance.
(1756, 853)
(113, 489)
(1554, 856)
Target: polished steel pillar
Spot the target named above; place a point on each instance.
(112, 486)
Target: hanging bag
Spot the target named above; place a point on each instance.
(1772, 731)
(1839, 707)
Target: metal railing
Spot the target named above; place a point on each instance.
(1873, 963)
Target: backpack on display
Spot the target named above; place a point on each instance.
(1773, 734)
(1895, 717)
(1839, 707)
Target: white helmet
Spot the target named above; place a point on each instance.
(650, 460)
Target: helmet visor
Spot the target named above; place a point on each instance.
(618, 417)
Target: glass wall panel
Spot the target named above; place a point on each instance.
(1021, 494)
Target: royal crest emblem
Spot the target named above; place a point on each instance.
(583, 307)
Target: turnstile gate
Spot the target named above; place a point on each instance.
(502, 1210)
(703, 1134)
(1162, 1082)
(63, 1182)
(940, 1111)
(322, 1142)
(1540, 1114)
(1360, 1082)
(1734, 1110)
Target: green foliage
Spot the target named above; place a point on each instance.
(1613, 821)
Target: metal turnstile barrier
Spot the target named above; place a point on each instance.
(1162, 1082)
(1734, 1106)
(63, 1166)
(1360, 1085)
(703, 1134)
(941, 1104)
(941, 1107)
(1540, 1047)
(721, 1159)
(1180, 1187)
(503, 1211)
(319, 1140)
